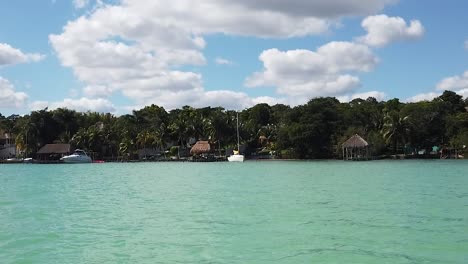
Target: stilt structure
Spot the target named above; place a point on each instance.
(355, 148)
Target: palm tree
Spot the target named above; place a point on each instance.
(80, 139)
(179, 129)
(396, 129)
(26, 136)
(160, 137)
(110, 140)
(94, 139)
(125, 147)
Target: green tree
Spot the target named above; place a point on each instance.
(453, 103)
(310, 131)
(396, 129)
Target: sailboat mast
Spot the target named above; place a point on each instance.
(238, 138)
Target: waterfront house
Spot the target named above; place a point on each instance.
(53, 152)
(7, 146)
(355, 148)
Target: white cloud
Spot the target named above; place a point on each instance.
(201, 98)
(454, 83)
(97, 91)
(78, 4)
(230, 17)
(457, 84)
(379, 96)
(38, 105)
(423, 97)
(383, 30)
(306, 74)
(333, 86)
(9, 97)
(82, 105)
(463, 92)
(136, 46)
(263, 18)
(10, 55)
(222, 61)
(316, 8)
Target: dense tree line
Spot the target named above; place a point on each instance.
(313, 130)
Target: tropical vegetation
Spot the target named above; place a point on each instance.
(314, 130)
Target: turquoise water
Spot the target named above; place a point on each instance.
(255, 212)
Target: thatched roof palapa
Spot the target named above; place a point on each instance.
(201, 147)
(355, 141)
(55, 149)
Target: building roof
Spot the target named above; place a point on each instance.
(355, 141)
(55, 149)
(201, 147)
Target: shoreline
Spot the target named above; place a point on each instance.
(392, 157)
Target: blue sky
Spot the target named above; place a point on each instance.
(121, 55)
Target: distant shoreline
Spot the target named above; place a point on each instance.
(391, 157)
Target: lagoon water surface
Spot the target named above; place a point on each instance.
(255, 212)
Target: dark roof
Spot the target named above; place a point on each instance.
(355, 142)
(201, 147)
(55, 149)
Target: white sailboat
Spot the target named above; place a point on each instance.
(237, 157)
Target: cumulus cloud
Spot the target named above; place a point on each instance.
(82, 105)
(306, 74)
(454, 83)
(382, 30)
(379, 96)
(223, 61)
(316, 8)
(79, 4)
(10, 55)
(38, 105)
(457, 83)
(97, 91)
(201, 98)
(135, 46)
(423, 97)
(9, 97)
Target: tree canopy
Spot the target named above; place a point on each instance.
(313, 130)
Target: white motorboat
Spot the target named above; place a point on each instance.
(79, 156)
(14, 160)
(237, 157)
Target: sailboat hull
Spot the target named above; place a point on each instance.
(236, 158)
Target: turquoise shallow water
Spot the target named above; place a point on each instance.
(255, 212)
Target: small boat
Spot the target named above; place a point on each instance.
(79, 156)
(237, 157)
(14, 160)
